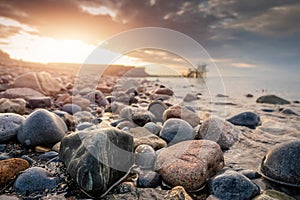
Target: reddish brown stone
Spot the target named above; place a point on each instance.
(190, 163)
(10, 167)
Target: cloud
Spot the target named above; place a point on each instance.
(243, 65)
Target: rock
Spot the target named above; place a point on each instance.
(126, 112)
(105, 89)
(143, 136)
(222, 95)
(56, 147)
(248, 119)
(83, 116)
(9, 125)
(148, 179)
(190, 97)
(69, 121)
(251, 174)
(35, 179)
(141, 117)
(41, 128)
(97, 159)
(127, 124)
(71, 108)
(39, 102)
(219, 131)
(138, 193)
(232, 185)
(84, 125)
(272, 99)
(24, 93)
(144, 156)
(82, 102)
(178, 193)
(163, 91)
(10, 167)
(97, 97)
(182, 112)
(40, 149)
(40, 81)
(281, 164)
(176, 130)
(48, 155)
(157, 108)
(153, 128)
(273, 195)
(289, 111)
(12, 106)
(189, 163)
(249, 95)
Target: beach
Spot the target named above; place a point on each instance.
(69, 121)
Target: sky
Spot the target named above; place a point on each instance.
(245, 36)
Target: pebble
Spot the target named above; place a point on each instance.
(12, 106)
(71, 108)
(35, 179)
(83, 116)
(219, 131)
(178, 193)
(39, 81)
(190, 97)
(248, 119)
(10, 123)
(10, 167)
(153, 127)
(48, 155)
(84, 125)
(148, 179)
(163, 91)
(273, 195)
(233, 185)
(157, 108)
(41, 128)
(176, 130)
(39, 102)
(249, 95)
(272, 99)
(189, 163)
(143, 136)
(40, 149)
(182, 112)
(144, 156)
(289, 111)
(97, 97)
(141, 117)
(24, 93)
(127, 124)
(101, 156)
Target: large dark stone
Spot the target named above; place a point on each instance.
(281, 164)
(248, 119)
(41, 128)
(232, 185)
(97, 159)
(272, 99)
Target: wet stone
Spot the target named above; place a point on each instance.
(39, 102)
(281, 164)
(248, 119)
(233, 185)
(272, 99)
(157, 108)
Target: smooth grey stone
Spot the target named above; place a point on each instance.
(10, 123)
(272, 99)
(248, 119)
(148, 179)
(41, 128)
(71, 108)
(35, 179)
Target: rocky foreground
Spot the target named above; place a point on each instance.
(63, 137)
